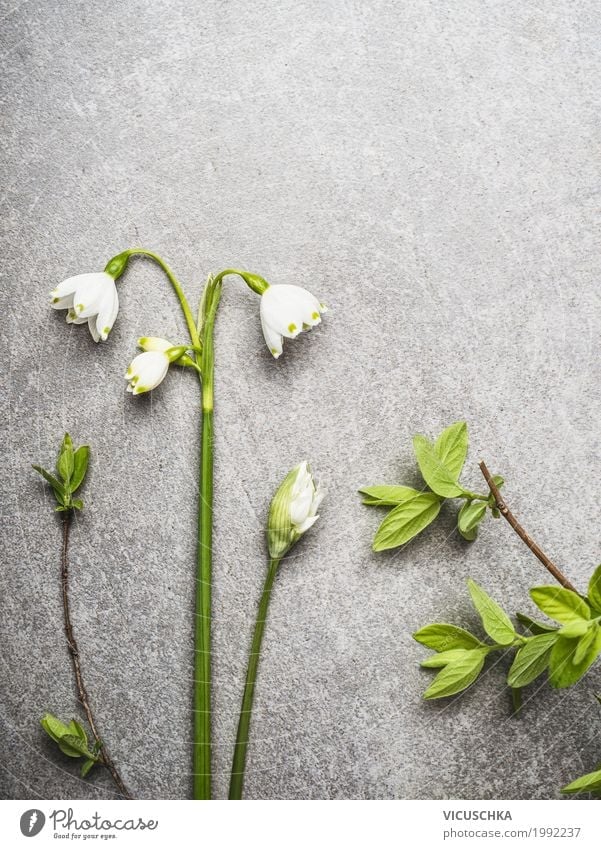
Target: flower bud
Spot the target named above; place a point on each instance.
(293, 510)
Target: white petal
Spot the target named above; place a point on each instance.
(154, 343)
(273, 339)
(68, 286)
(300, 506)
(61, 303)
(107, 313)
(92, 325)
(309, 521)
(317, 499)
(90, 292)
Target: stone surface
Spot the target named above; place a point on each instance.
(431, 171)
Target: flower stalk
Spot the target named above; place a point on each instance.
(241, 745)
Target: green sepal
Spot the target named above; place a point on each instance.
(117, 265)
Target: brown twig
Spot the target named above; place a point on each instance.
(534, 548)
(104, 756)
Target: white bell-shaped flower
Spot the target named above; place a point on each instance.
(293, 510)
(146, 371)
(286, 311)
(90, 298)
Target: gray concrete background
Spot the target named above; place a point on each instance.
(431, 171)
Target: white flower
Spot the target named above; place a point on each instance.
(293, 510)
(286, 311)
(146, 371)
(88, 297)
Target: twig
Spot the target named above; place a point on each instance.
(104, 756)
(534, 548)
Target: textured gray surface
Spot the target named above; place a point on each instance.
(431, 171)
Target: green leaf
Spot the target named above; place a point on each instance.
(72, 743)
(53, 727)
(76, 728)
(442, 637)
(385, 495)
(86, 767)
(80, 466)
(443, 658)
(496, 622)
(564, 671)
(406, 521)
(590, 783)
(585, 644)
(470, 516)
(531, 660)
(77, 503)
(533, 626)
(436, 474)
(560, 604)
(594, 589)
(457, 676)
(451, 447)
(65, 460)
(59, 490)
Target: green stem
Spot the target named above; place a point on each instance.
(202, 642)
(176, 286)
(239, 761)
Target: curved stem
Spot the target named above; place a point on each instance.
(104, 756)
(239, 761)
(176, 286)
(202, 642)
(534, 548)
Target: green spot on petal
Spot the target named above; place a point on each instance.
(292, 328)
(314, 315)
(106, 330)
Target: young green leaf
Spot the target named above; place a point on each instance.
(470, 516)
(443, 658)
(496, 622)
(457, 676)
(73, 746)
(437, 475)
(563, 670)
(533, 626)
(406, 521)
(80, 466)
(451, 447)
(387, 495)
(594, 589)
(560, 604)
(586, 643)
(86, 767)
(442, 637)
(65, 460)
(76, 728)
(59, 490)
(531, 660)
(53, 727)
(590, 783)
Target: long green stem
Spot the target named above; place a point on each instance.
(176, 286)
(239, 761)
(202, 642)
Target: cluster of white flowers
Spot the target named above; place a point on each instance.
(285, 310)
